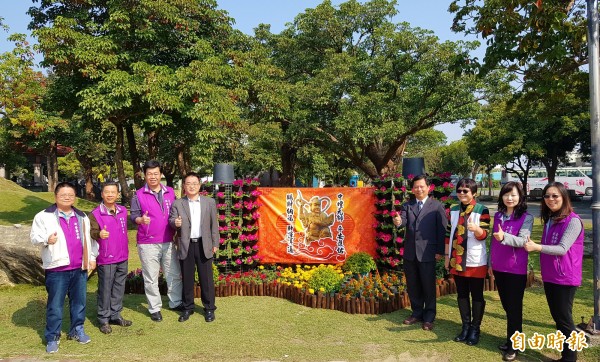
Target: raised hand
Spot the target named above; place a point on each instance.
(146, 218)
(531, 246)
(499, 235)
(104, 234)
(471, 225)
(397, 219)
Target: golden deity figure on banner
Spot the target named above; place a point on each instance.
(317, 223)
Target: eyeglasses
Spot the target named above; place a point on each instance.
(66, 196)
(192, 184)
(551, 196)
(463, 191)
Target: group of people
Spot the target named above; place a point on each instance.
(460, 238)
(178, 236)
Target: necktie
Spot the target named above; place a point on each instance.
(420, 205)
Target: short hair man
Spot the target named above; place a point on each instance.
(150, 207)
(425, 221)
(108, 224)
(195, 217)
(68, 252)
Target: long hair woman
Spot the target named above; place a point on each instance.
(508, 258)
(561, 258)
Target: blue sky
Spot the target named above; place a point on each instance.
(432, 15)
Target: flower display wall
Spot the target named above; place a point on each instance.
(237, 207)
(390, 193)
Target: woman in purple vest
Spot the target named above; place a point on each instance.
(508, 259)
(561, 256)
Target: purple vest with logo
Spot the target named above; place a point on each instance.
(114, 249)
(565, 269)
(159, 230)
(505, 258)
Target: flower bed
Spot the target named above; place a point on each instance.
(265, 283)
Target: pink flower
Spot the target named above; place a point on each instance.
(410, 176)
(238, 261)
(255, 193)
(401, 251)
(431, 187)
(221, 195)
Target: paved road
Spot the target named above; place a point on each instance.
(582, 208)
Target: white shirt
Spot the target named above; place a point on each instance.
(195, 216)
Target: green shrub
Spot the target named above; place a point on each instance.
(326, 280)
(359, 263)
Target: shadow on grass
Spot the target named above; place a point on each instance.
(25, 214)
(445, 329)
(33, 316)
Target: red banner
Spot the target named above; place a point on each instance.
(315, 225)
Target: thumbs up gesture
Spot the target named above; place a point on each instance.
(531, 246)
(145, 218)
(471, 225)
(104, 234)
(397, 220)
(499, 235)
(178, 221)
(52, 238)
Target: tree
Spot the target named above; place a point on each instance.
(542, 40)
(362, 86)
(161, 66)
(21, 97)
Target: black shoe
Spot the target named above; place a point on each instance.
(503, 347)
(209, 316)
(157, 317)
(121, 322)
(105, 328)
(179, 308)
(186, 315)
(509, 356)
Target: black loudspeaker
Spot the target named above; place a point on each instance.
(223, 172)
(413, 166)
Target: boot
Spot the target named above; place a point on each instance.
(478, 309)
(464, 306)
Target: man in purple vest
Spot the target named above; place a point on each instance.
(108, 224)
(150, 207)
(68, 252)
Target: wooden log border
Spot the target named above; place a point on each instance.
(339, 302)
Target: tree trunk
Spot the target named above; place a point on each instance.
(152, 145)
(52, 165)
(125, 194)
(86, 163)
(167, 170)
(138, 174)
(183, 164)
(288, 163)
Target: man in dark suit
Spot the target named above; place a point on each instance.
(195, 219)
(425, 221)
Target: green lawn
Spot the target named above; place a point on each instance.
(265, 328)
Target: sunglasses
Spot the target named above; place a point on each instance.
(553, 196)
(463, 191)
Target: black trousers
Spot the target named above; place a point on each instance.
(511, 288)
(111, 289)
(196, 259)
(469, 285)
(560, 301)
(420, 281)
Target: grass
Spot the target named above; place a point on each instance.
(20, 205)
(265, 328)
